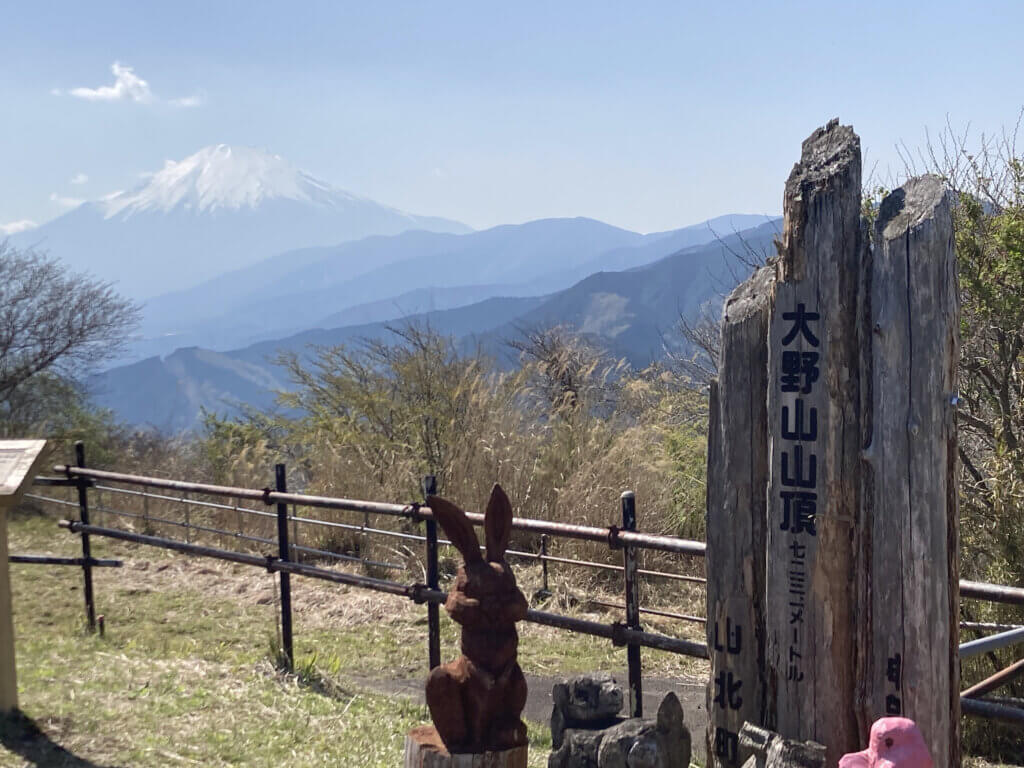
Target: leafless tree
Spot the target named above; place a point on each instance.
(697, 355)
(702, 337)
(54, 322)
(573, 374)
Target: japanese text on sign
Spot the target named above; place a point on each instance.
(799, 468)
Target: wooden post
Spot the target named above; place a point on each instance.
(19, 462)
(735, 561)
(8, 667)
(910, 585)
(814, 440)
(846, 571)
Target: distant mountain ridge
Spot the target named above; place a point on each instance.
(219, 209)
(321, 287)
(628, 312)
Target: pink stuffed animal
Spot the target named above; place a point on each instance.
(895, 742)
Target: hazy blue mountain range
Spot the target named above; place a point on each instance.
(626, 311)
(382, 278)
(220, 209)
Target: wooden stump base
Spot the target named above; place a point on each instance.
(424, 749)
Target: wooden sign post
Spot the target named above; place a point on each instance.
(735, 560)
(19, 461)
(814, 443)
(909, 572)
(832, 533)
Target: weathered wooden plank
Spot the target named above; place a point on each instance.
(735, 561)
(909, 485)
(814, 438)
(19, 462)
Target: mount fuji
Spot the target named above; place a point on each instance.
(221, 209)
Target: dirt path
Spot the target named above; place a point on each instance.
(538, 704)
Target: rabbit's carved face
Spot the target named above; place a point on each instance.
(485, 594)
(485, 591)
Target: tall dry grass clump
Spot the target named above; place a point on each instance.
(564, 433)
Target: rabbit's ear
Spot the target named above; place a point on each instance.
(455, 523)
(498, 524)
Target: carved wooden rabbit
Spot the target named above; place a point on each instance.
(476, 700)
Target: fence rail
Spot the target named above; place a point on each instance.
(288, 555)
(613, 535)
(420, 593)
(47, 560)
(99, 489)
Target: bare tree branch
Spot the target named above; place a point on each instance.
(55, 322)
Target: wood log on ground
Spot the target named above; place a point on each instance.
(424, 749)
(909, 538)
(735, 561)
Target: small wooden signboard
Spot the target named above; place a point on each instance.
(19, 460)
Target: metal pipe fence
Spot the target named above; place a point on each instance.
(201, 502)
(992, 642)
(613, 535)
(290, 558)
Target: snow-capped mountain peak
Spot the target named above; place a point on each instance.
(221, 209)
(223, 177)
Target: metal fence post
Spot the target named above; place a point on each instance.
(188, 518)
(636, 701)
(281, 485)
(83, 516)
(433, 615)
(295, 553)
(364, 540)
(544, 565)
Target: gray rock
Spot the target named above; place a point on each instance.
(663, 742)
(587, 698)
(769, 750)
(592, 701)
(578, 749)
(646, 753)
(558, 726)
(619, 740)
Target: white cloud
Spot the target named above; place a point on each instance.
(15, 227)
(195, 100)
(66, 202)
(79, 178)
(127, 87)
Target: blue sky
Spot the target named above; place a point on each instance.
(645, 115)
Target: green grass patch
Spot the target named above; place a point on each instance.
(185, 673)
